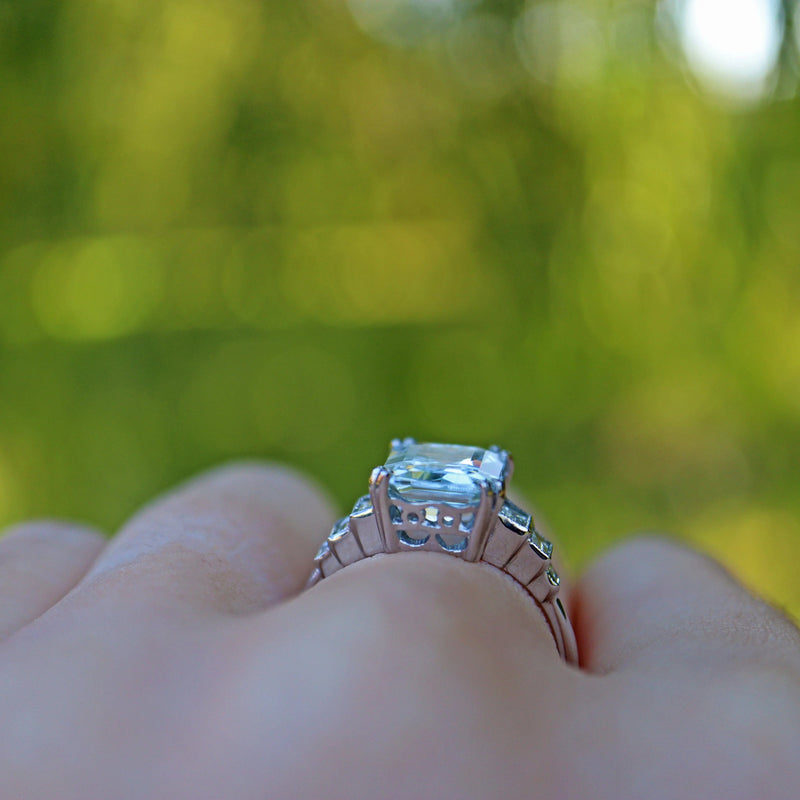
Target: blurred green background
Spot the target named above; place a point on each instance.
(298, 229)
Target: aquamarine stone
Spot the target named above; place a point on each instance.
(447, 473)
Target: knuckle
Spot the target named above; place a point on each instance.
(250, 475)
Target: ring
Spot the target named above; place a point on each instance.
(450, 499)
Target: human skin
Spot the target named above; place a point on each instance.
(183, 660)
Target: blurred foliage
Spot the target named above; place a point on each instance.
(295, 230)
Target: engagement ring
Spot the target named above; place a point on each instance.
(450, 499)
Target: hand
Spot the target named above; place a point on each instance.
(180, 660)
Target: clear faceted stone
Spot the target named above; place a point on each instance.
(362, 508)
(552, 576)
(513, 517)
(543, 548)
(323, 551)
(446, 473)
(339, 530)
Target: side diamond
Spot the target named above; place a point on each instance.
(323, 551)
(513, 517)
(362, 508)
(540, 545)
(552, 576)
(339, 531)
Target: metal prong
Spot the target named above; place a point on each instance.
(484, 517)
(379, 494)
(377, 476)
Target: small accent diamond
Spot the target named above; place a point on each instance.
(540, 545)
(323, 551)
(552, 576)
(362, 508)
(513, 517)
(339, 531)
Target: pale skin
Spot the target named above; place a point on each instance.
(181, 659)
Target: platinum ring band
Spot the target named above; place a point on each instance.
(451, 499)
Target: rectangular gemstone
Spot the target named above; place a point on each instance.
(448, 473)
(513, 517)
(540, 545)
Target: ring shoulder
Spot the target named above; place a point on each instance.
(515, 547)
(351, 539)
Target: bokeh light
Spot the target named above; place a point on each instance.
(561, 40)
(404, 22)
(733, 46)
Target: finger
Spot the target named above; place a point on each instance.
(414, 593)
(39, 563)
(235, 539)
(653, 603)
(420, 654)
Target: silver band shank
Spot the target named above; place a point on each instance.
(358, 537)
